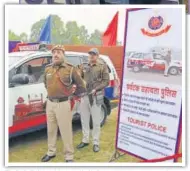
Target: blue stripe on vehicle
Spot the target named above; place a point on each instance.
(109, 92)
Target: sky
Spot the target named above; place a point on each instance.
(21, 17)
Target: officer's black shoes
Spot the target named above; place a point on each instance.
(47, 158)
(96, 148)
(165, 75)
(69, 161)
(82, 145)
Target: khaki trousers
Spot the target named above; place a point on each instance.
(166, 68)
(95, 111)
(59, 115)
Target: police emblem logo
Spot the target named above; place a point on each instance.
(155, 23)
(157, 26)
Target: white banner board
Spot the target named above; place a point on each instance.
(149, 118)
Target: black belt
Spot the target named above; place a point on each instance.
(58, 100)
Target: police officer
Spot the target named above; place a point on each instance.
(59, 79)
(167, 60)
(96, 76)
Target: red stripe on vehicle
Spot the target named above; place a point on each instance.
(112, 83)
(29, 123)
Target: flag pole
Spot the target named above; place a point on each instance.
(50, 28)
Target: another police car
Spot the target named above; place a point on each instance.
(153, 61)
(27, 98)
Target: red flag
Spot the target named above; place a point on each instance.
(109, 37)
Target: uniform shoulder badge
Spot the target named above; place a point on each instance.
(69, 64)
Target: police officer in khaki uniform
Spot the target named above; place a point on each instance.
(96, 76)
(59, 79)
(167, 61)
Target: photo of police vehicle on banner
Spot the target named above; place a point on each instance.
(150, 110)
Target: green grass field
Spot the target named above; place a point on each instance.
(34, 151)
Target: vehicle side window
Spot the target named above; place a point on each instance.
(85, 59)
(158, 56)
(137, 55)
(74, 60)
(11, 74)
(147, 56)
(34, 69)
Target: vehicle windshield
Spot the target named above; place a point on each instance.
(157, 56)
(137, 55)
(147, 56)
(14, 59)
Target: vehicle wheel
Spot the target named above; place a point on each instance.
(136, 68)
(103, 116)
(173, 71)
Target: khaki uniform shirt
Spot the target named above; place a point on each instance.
(68, 75)
(96, 76)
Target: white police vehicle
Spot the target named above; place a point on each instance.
(27, 94)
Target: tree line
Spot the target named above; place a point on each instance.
(61, 33)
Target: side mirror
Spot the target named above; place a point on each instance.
(20, 79)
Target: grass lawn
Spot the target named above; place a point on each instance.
(34, 151)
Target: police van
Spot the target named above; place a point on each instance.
(27, 94)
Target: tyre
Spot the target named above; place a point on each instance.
(136, 68)
(173, 70)
(102, 118)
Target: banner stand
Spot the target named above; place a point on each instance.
(116, 155)
(150, 118)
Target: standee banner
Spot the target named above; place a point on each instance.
(150, 117)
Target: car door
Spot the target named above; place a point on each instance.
(148, 61)
(26, 100)
(158, 62)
